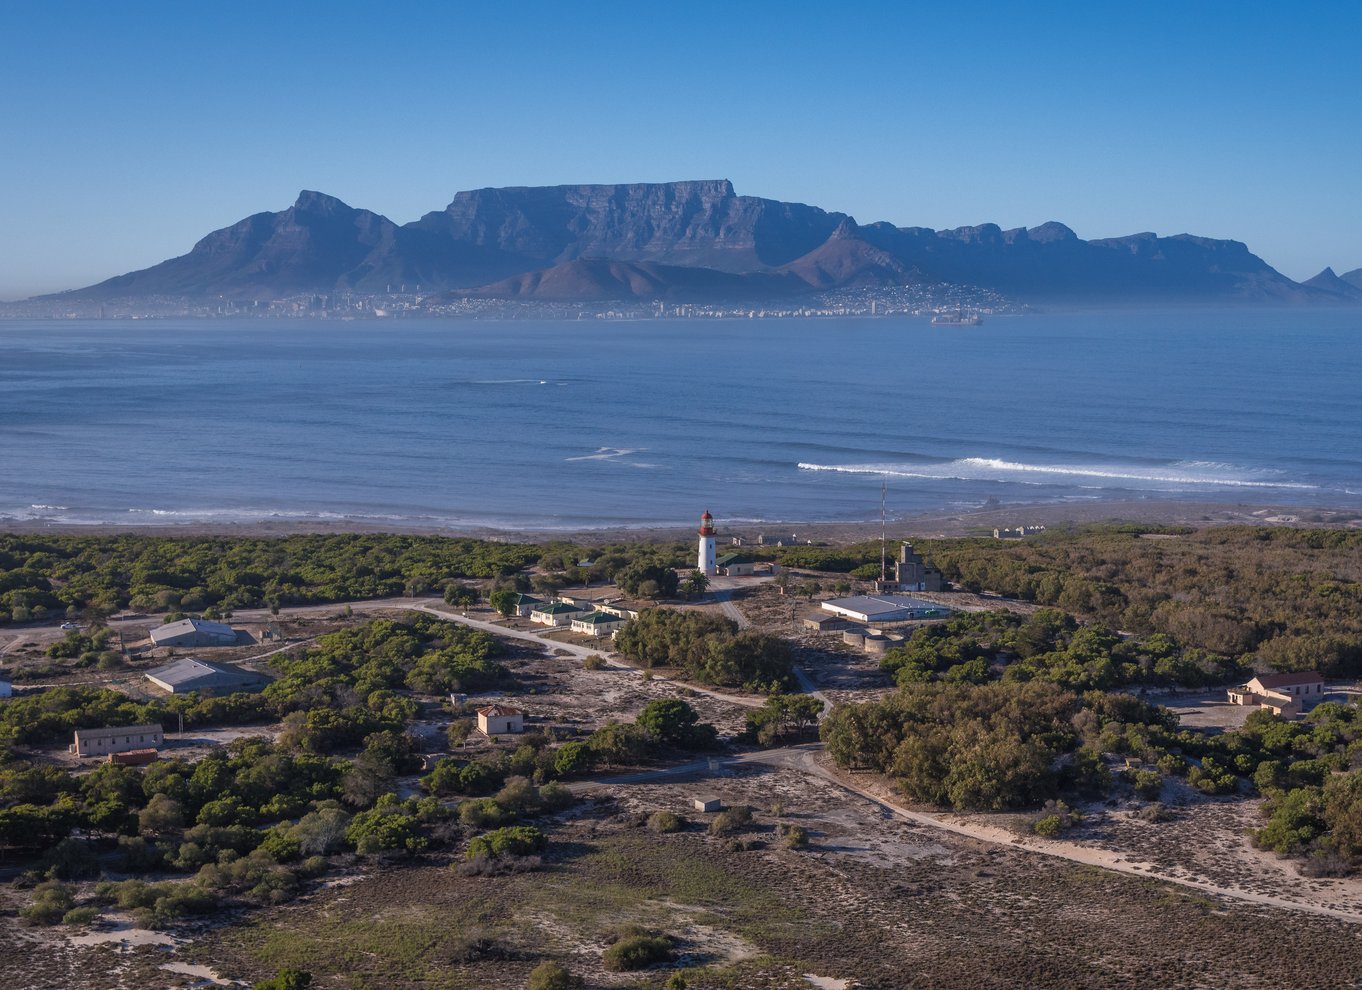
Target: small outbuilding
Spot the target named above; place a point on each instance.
(116, 739)
(206, 677)
(735, 565)
(825, 623)
(500, 720)
(134, 757)
(708, 804)
(194, 632)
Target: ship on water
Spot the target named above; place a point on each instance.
(957, 319)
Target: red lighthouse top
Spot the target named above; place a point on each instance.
(706, 524)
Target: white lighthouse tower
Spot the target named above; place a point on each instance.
(707, 563)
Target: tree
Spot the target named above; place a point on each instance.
(668, 721)
(504, 601)
(696, 584)
(630, 579)
(460, 594)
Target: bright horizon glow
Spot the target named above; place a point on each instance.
(135, 129)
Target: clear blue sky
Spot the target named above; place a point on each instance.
(131, 129)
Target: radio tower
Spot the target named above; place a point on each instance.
(884, 485)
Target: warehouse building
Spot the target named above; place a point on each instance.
(116, 739)
(885, 608)
(187, 675)
(194, 632)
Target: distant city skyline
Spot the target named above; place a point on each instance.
(133, 130)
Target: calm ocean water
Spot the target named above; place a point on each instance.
(565, 425)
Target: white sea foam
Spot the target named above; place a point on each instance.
(614, 454)
(1182, 473)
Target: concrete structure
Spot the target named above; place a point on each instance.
(1285, 694)
(597, 623)
(912, 573)
(824, 623)
(708, 804)
(555, 614)
(118, 739)
(498, 720)
(734, 565)
(885, 608)
(193, 632)
(706, 559)
(187, 675)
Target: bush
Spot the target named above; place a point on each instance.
(593, 662)
(730, 821)
(1154, 813)
(637, 951)
(515, 840)
(80, 916)
(551, 976)
(51, 902)
(666, 821)
(794, 837)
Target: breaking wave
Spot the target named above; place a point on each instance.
(1181, 474)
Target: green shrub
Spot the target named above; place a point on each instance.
(637, 951)
(666, 821)
(730, 821)
(80, 916)
(515, 840)
(551, 976)
(794, 837)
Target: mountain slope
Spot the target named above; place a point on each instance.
(673, 240)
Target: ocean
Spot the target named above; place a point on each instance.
(571, 425)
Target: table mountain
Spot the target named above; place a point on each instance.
(694, 241)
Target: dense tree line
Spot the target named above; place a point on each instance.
(75, 574)
(708, 649)
(1290, 599)
(1049, 645)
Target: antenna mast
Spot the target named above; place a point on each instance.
(884, 485)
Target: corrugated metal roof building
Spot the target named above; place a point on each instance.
(193, 632)
(187, 675)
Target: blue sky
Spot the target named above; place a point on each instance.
(132, 129)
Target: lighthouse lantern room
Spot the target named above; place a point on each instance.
(708, 559)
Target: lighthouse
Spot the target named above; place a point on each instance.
(706, 564)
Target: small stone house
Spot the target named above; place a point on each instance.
(500, 720)
(708, 804)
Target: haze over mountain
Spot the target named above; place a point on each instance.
(695, 241)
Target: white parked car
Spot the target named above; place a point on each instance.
(69, 625)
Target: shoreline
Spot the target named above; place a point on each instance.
(930, 525)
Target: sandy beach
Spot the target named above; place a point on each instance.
(977, 522)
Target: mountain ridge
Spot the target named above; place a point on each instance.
(675, 240)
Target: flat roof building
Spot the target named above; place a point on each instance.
(206, 677)
(885, 608)
(194, 632)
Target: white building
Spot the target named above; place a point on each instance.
(885, 608)
(555, 613)
(707, 561)
(499, 720)
(597, 623)
(116, 739)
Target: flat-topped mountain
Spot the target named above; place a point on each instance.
(695, 241)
